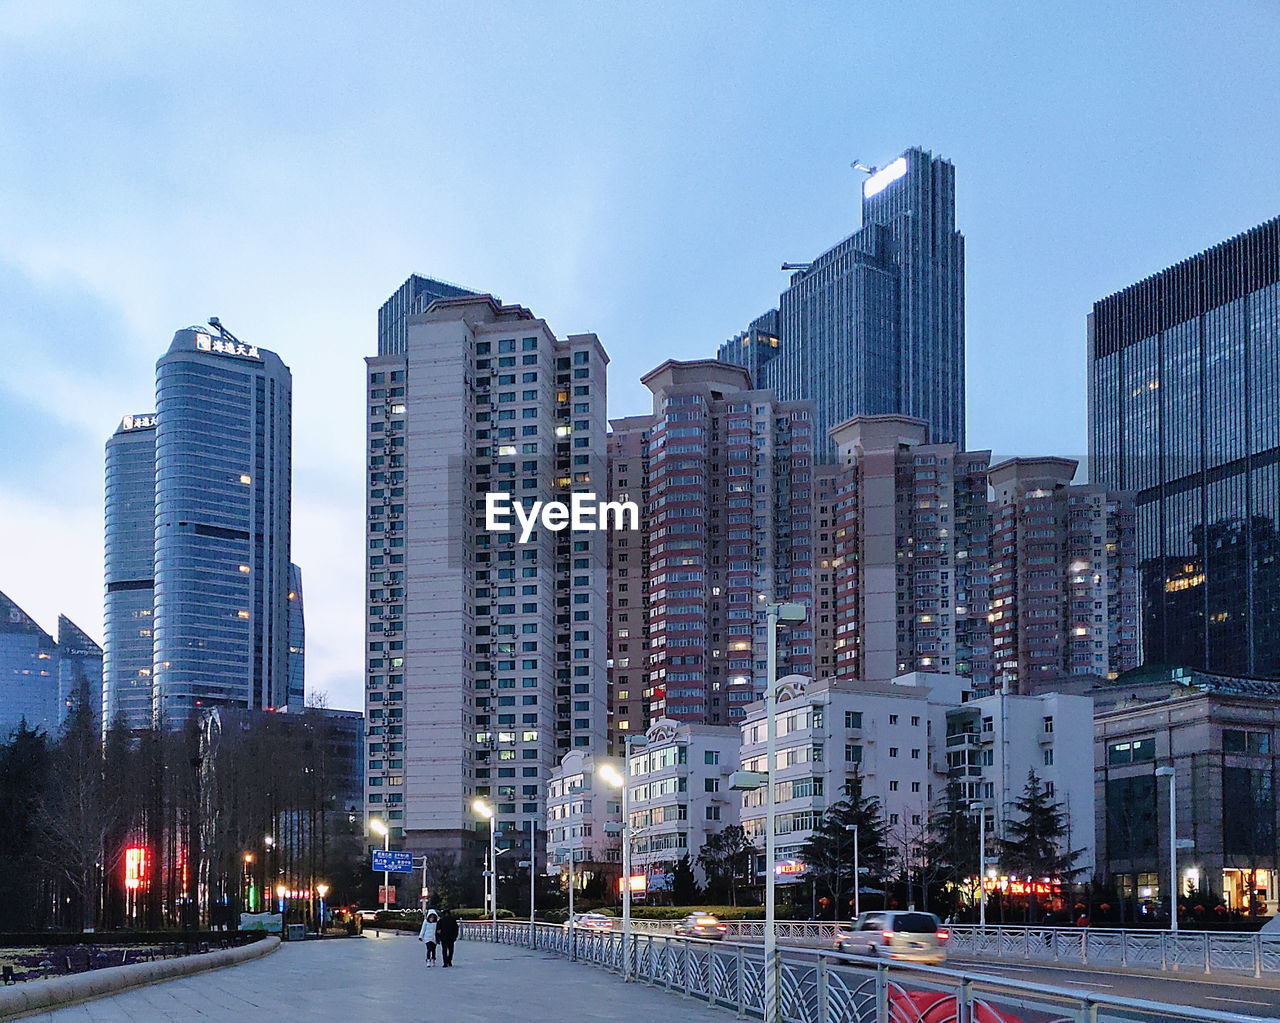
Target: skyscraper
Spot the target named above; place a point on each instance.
(79, 668)
(297, 685)
(220, 632)
(1064, 582)
(728, 473)
(129, 559)
(1184, 409)
(28, 672)
(875, 325)
(485, 655)
(911, 546)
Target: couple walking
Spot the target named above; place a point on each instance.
(439, 927)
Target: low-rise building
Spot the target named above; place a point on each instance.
(680, 794)
(579, 805)
(1221, 736)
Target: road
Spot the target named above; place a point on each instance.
(358, 979)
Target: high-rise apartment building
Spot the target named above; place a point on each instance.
(629, 690)
(129, 561)
(729, 520)
(911, 533)
(1184, 409)
(1064, 582)
(197, 538)
(485, 650)
(875, 325)
(222, 526)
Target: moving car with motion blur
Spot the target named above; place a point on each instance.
(906, 935)
(701, 925)
(590, 922)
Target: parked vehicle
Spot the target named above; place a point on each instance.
(906, 935)
(701, 925)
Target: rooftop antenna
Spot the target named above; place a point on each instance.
(858, 165)
(225, 334)
(796, 266)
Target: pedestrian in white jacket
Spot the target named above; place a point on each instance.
(428, 935)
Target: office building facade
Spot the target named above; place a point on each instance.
(486, 656)
(79, 669)
(875, 325)
(222, 526)
(129, 564)
(1064, 576)
(1184, 410)
(28, 672)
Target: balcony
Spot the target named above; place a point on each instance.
(965, 740)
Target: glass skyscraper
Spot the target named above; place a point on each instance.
(1184, 409)
(296, 699)
(875, 325)
(28, 672)
(79, 665)
(129, 558)
(222, 519)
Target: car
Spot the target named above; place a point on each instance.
(701, 925)
(906, 935)
(590, 922)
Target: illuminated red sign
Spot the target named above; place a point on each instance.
(135, 867)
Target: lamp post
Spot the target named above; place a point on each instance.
(1168, 772)
(857, 874)
(378, 828)
(322, 890)
(483, 809)
(621, 780)
(774, 613)
(981, 810)
(532, 864)
(269, 842)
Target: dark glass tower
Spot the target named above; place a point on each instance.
(79, 668)
(297, 695)
(28, 672)
(1184, 409)
(130, 572)
(411, 298)
(875, 325)
(222, 514)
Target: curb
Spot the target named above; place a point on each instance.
(35, 996)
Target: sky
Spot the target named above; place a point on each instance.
(639, 170)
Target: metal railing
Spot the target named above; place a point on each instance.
(1235, 952)
(831, 987)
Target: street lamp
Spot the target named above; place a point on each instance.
(483, 809)
(378, 828)
(619, 779)
(532, 864)
(774, 613)
(1168, 772)
(322, 890)
(281, 891)
(981, 810)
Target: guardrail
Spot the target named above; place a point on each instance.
(1235, 952)
(831, 987)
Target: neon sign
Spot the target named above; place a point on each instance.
(135, 867)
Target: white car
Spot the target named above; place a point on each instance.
(590, 922)
(906, 935)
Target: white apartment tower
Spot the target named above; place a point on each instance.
(485, 656)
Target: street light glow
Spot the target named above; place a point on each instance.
(377, 827)
(611, 775)
(483, 809)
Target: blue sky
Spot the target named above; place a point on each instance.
(638, 170)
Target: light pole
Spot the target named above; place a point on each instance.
(485, 810)
(981, 810)
(1168, 772)
(774, 613)
(322, 890)
(532, 864)
(857, 876)
(621, 779)
(378, 828)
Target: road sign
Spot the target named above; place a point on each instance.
(387, 894)
(393, 861)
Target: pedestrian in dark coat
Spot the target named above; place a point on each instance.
(446, 935)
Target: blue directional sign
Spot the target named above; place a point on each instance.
(393, 861)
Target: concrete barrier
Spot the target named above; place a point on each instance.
(28, 997)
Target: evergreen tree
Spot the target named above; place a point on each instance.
(1035, 845)
(828, 852)
(951, 853)
(684, 885)
(25, 782)
(726, 859)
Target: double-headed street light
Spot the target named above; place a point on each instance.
(378, 828)
(483, 809)
(788, 613)
(621, 780)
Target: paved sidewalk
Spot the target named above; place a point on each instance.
(384, 979)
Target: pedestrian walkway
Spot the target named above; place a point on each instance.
(384, 979)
